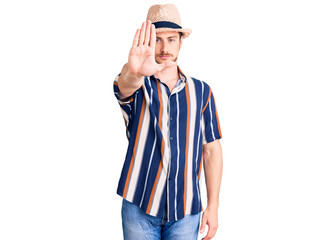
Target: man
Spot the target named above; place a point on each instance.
(173, 129)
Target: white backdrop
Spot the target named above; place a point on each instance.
(271, 65)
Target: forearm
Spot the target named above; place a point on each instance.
(128, 82)
(213, 167)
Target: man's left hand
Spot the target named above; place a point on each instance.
(210, 218)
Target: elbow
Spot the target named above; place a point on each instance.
(212, 151)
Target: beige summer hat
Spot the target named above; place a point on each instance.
(166, 18)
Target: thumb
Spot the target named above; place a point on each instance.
(203, 224)
(164, 65)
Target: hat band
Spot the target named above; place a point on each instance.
(166, 24)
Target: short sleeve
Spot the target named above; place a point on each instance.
(211, 130)
(117, 93)
(126, 105)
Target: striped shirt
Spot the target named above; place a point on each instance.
(166, 131)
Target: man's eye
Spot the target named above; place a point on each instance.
(171, 40)
(157, 39)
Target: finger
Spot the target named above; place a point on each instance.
(136, 38)
(202, 228)
(207, 237)
(148, 32)
(211, 233)
(142, 34)
(152, 36)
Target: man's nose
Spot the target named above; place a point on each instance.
(164, 46)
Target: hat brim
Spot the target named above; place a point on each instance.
(185, 32)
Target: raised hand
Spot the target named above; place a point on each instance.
(141, 59)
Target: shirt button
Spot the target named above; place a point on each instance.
(171, 138)
(171, 118)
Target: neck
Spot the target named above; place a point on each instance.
(168, 74)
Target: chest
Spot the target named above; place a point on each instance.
(174, 102)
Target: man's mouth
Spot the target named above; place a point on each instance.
(165, 56)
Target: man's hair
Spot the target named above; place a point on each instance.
(181, 34)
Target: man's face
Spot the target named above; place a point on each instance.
(167, 46)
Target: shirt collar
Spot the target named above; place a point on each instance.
(182, 77)
(181, 74)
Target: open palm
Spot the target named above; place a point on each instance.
(141, 59)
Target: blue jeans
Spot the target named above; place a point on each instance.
(137, 225)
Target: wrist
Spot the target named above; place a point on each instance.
(213, 205)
